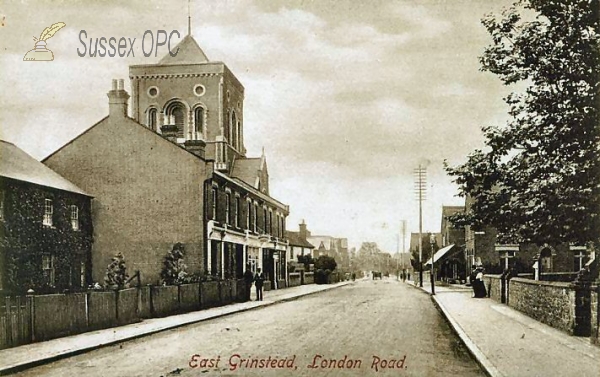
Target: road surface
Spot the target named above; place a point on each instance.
(369, 328)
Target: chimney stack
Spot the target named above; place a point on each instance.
(117, 99)
(303, 232)
(169, 132)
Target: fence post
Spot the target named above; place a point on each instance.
(117, 306)
(87, 310)
(9, 330)
(31, 301)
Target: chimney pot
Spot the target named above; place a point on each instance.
(114, 84)
(121, 84)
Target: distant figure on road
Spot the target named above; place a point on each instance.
(353, 276)
(259, 279)
(249, 278)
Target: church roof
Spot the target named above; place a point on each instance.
(188, 52)
(247, 169)
(18, 165)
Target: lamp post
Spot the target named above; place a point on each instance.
(432, 242)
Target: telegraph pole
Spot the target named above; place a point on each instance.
(420, 187)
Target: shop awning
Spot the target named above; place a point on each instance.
(439, 254)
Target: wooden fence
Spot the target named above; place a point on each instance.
(29, 319)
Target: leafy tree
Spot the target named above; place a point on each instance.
(537, 180)
(307, 260)
(325, 262)
(173, 271)
(116, 272)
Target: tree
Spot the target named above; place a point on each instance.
(173, 271)
(325, 262)
(307, 260)
(538, 179)
(116, 273)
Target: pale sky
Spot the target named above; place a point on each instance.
(347, 97)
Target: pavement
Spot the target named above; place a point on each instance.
(30, 355)
(506, 342)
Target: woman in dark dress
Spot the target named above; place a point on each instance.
(478, 284)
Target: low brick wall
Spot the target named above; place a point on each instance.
(240, 288)
(493, 285)
(281, 284)
(309, 278)
(267, 286)
(552, 303)
(595, 336)
(294, 279)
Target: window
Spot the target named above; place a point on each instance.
(238, 211)
(1, 205)
(48, 268)
(199, 120)
(175, 113)
(75, 217)
(254, 216)
(265, 219)
(48, 211)
(199, 90)
(227, 207)
(270, 222)
(152, 119)
(232, 129)
(248, 212)
(214, 204)
(152, 91)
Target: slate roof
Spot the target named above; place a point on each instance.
(18, 165)
(294, 239)
(247, 169)
(189, 53)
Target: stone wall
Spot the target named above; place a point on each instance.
(493, 285)
(552, 303)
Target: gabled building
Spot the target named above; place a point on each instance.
(298, 244)
(45, 227)
(177, 171)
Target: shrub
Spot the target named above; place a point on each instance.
(116, 273)
(173, 271)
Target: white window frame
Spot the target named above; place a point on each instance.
(75, 217)
(48, 265)
(48, 212)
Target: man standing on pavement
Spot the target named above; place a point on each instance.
(249, 278)
(259, 278)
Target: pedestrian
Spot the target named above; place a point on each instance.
(259, 279)
(249, 278)
(478, 285)
(408, 276)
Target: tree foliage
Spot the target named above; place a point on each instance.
(116, 273)
(426, 249)
(307, 260)
(173, 271)
(325, 262)
(537, 180)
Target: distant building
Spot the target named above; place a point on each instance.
(177, 171)
(333, 247)
(45, 227)
(298, 244)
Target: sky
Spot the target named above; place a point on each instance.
(346, 97)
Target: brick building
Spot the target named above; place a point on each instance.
(298, 244)
(482, 248)
(177, 171)
(45, 227)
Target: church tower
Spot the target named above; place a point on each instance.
(190, 99)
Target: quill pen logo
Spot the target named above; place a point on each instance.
(40, 53)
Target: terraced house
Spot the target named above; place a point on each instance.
(45, 227)
(177, 171)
